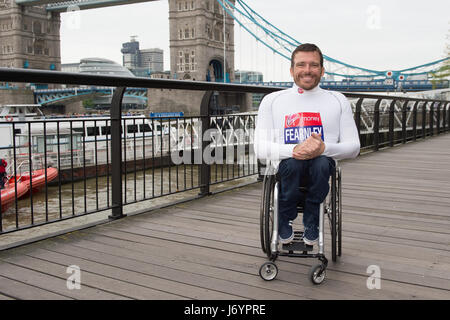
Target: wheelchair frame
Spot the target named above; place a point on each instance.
(332, 207)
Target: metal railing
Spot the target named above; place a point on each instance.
(108, 163)
(385, 121)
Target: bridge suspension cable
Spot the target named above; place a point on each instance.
(282, 44)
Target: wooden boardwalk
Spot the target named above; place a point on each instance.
(396, 216)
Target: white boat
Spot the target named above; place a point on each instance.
(85, 140)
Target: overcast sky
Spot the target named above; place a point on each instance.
(374, 34)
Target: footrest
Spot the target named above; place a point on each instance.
(298, 235)
(297, 246)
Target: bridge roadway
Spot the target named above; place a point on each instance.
(396, 216)
(62, 6)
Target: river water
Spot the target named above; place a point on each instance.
(92, 194)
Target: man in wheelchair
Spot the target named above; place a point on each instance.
(303, 130)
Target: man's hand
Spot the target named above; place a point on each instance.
(309, 149)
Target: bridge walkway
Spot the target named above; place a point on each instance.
(396, 216)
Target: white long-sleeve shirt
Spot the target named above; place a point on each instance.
(288, 117)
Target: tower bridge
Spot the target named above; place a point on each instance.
(202, 45)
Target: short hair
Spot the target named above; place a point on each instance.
(307, 47)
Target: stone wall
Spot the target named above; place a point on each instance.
(16, 96)
(189, 101)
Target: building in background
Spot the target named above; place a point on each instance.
(243, 76)
(201, 41)
(29, 37)
(70, 67)
(152, 59)
(160, 75)
(130, 51)
(142, 63)
(104, 67)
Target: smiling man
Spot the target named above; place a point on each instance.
(303, 130)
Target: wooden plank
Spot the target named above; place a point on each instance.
(172, 268)
(15, 289)
(50, 282)
(96, 281)
(248, 276)
(4, 298)
(131, 276)
(395, 216)
(228, 255)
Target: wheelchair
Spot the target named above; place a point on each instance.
(331, 207)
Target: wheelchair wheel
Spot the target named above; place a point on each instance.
(262, 218)
(339, 212)
(333, 216)
(334, 212)
(317, 274)
(268, 271)
(266, 215)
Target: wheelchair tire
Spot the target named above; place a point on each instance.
(268, 271)
(262, 217)
(334, 216)
(266, 215)
(317, 274)
(339, 212)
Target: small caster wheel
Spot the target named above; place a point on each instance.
(268, 271)
(317, 274)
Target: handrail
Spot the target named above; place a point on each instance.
(57, 77)
(383, 127)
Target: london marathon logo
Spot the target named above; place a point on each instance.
(299, 126)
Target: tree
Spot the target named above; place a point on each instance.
(443, 73)
(88, 103)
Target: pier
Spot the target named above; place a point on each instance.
(395, 216)
(206, 245)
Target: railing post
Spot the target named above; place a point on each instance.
(415, 121)
(391, 123)
(405, 105)
(444, 117)
(205, 170)
(438, 118)
(376, 125)
(116, 153)
(447, 116)
(424, 119)
(431, 118)
(358, 116)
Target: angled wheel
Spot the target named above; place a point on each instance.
(268, 271)
(266, 215)
(262, 218)
(317, 274)
(334, 212)
(339, 212)
(333, 217)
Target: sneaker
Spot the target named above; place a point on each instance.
(311, 236)
(286, 234)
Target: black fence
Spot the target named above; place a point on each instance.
(106, 163)
(391, 120)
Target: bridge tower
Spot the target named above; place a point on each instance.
(29, 37)
(199, 42)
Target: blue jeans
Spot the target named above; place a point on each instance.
(314, 174)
